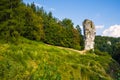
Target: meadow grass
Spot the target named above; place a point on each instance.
(31, 60)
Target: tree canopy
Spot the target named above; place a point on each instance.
(32, 22)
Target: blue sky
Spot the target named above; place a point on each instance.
(104, 13)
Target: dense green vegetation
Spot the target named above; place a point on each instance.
(110, 45)
(24, 30)
(31, 60)
(29, 21)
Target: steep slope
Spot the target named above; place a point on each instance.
(32, 60)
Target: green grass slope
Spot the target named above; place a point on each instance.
(30, 60)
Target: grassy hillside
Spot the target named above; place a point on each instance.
(30, 60)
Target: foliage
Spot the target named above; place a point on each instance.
(8, 20)
(98, 52)
(110, 45)
(29, 21)
(116, 54)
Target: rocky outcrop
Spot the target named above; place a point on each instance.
(89, 34)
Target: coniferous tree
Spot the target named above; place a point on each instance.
(81, 36)
(33, 7)
(33, 28)
(7, 19)
(116, 54)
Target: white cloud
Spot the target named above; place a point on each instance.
(81, 27)
(52, 9)
(39, 5)
(113, 31)
(97, 16)
(99, 29)
(99, 26)
(45, 7)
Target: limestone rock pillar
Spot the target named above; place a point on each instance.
(89, 34)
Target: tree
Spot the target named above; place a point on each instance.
(6, 9)
(113, 48)
(116, 54)
(79, 29)
(8, 19)
(67, 23)
(33, 7)
(33, 28)
(50, 15)
(76, 39)
(81, 36)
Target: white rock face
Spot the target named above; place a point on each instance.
(89, 34)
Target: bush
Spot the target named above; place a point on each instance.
(98, 52)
